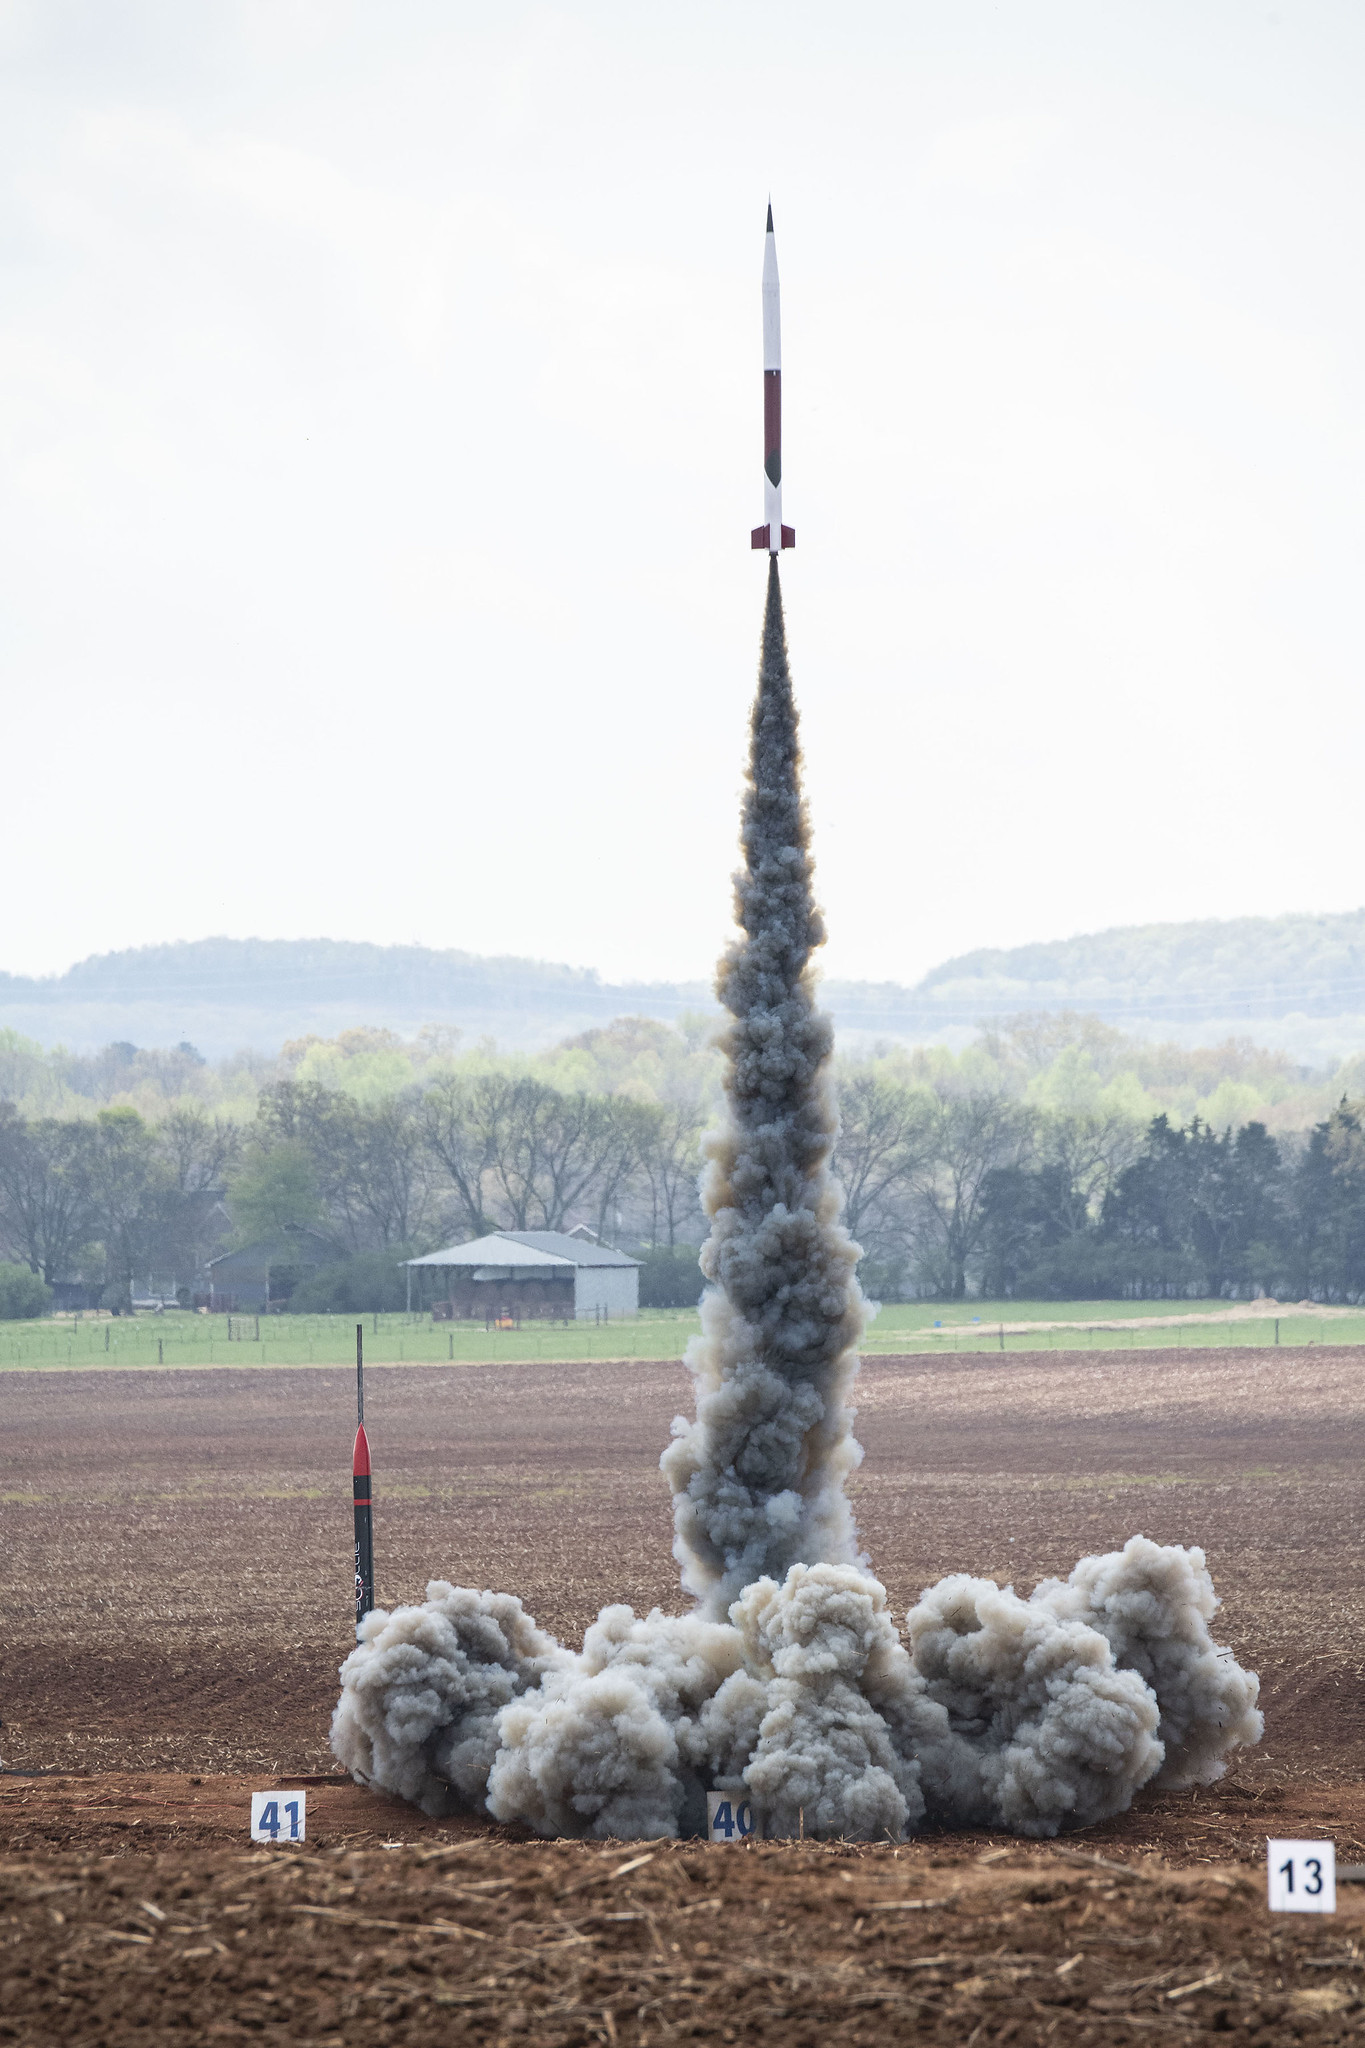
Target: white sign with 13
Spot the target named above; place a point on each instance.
(1302, 1877)
(277, 1816)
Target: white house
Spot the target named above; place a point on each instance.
(529, 1274)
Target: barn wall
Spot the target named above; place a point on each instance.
(528, 1298)
(615, 1289)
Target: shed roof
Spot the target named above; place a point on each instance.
(527, 1249)
(561, 1245)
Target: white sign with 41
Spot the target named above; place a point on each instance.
(277, 1816)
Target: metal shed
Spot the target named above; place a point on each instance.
(530, 1274)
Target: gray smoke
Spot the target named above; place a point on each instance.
(1153, 1605)
(790, 1683)
(758, 1477)
(422, 1691)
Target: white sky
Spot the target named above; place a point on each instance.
(380, 435)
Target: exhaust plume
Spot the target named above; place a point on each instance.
(758, 1477)
(789, 1681)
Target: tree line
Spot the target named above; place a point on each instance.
(952, 1193)
(122, 1203)
(954, 1184)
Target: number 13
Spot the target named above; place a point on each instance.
(1286, 1871)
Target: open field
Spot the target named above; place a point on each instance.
(178, 1339)
(179, 1541)
(179, 1549)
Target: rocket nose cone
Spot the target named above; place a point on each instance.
(769, 228)
(360, 1463)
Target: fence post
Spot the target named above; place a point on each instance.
(1002, 1336)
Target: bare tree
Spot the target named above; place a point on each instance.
(969, 1136)
(200, 1150)
(393, 1169)
(630, 1138)
(884, 1134)
(1092, 1152)
(670, 1165)
(456, 1134)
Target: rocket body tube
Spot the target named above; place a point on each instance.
(362, 1487)
(364, 1526)
(772, 535)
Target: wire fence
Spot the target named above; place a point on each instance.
(655, 1335)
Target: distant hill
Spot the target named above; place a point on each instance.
(220, 994)
(1244, 967)
(1296, 982)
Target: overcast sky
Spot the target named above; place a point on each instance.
(381, 415)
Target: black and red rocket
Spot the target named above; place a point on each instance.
(772, 535)
(364, 1526)
(364, 1491)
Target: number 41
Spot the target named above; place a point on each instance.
(269, 1823)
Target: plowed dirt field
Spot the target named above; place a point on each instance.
(178, 1568)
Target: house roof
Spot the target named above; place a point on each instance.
(302, 1246)
(526, 1249)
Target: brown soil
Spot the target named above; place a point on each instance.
(493, 1941)
(179, 1546)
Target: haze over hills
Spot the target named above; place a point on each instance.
(1296, 981)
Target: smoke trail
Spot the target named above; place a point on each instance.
(758, 1477)
(790, 1681)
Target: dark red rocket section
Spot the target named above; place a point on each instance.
(364, 1525)
(772, 425)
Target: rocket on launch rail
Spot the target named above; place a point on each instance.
(772, 535)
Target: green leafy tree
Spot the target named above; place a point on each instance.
(46, 1200)
(22, 1294)
(126, 1181)
(275, 1190)
(365, 1283)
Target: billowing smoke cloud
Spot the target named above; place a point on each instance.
(790, 1682)
(422, 1692)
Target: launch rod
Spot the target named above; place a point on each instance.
(364, 1492)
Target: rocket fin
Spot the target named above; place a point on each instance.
(789, 536)
(759, 537)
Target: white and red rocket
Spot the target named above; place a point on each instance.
(772, 535)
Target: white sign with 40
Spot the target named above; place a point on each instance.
(729, 1817)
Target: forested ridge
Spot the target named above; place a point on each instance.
(1262, 965)
(1295, 966)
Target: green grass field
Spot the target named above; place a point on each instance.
(921, 1327)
